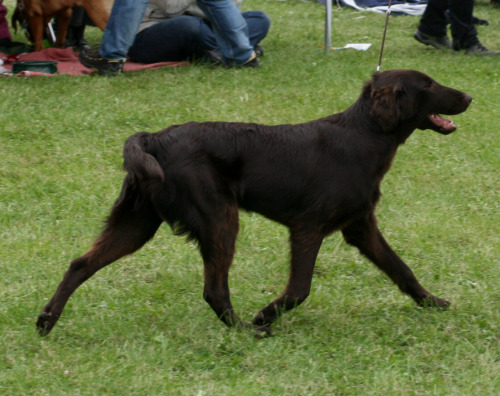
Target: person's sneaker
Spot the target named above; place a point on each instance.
(215, 57)
(479, 49)
(252, 62)
(104, 67)
(437, 42)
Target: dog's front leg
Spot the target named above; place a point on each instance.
(217, 238)
(37, 26)
(365, 235)
(305, 244)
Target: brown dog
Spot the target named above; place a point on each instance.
(40, 12)
(315, 178)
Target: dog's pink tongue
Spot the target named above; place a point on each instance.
(443, 123)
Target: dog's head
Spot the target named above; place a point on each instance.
(409, 99)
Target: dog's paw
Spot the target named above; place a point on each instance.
(433, 301)
(45, 323)
(261, 332)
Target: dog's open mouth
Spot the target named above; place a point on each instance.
(444, 126)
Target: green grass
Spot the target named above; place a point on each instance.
(140, 326)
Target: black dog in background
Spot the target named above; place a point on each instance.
(315, 178)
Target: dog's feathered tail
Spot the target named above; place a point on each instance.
(143, 172)
(138, 162)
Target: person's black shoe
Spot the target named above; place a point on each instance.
(78, 45)
(479, 49)
(214, 57)
(260, 51)
(437, 42)
(104, 67)
(480, 22)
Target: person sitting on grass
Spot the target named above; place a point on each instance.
(229, 27)
(175, 30)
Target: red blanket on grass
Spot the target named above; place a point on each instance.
(67, 62)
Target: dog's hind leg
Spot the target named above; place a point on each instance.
(305, 244)
(128, 228)
(63, 21)
(365, 235)
(98, 11)
(217, 241)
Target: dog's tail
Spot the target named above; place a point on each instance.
(138, 162)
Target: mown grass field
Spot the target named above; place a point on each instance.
(140, 326)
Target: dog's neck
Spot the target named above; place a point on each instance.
(365, 104)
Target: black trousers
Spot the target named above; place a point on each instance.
(458, 13)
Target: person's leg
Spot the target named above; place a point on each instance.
(463, 31)
(258, 25)
(176, 39)
(76, 31)
(188, 37)
(123, 23)
(122, 26)
(4, 27)
(432, 27)
(433, 21)
(230, 29)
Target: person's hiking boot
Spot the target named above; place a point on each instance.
(104, 67)
(442, 42)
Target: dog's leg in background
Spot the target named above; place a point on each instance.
(217, 241)
(129, 227)
(305, 244)
(365, 235)
(63, 20)
(36, 22)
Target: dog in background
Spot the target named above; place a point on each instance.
(38, 14)
(315, 178)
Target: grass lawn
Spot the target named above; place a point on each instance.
(141, 327)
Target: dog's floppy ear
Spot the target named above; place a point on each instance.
(390, 106)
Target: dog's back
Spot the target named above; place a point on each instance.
(284, 172)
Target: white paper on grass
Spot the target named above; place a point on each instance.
(356, 46)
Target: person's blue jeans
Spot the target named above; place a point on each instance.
(187, 37)
(230, 29)
(123, 23)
